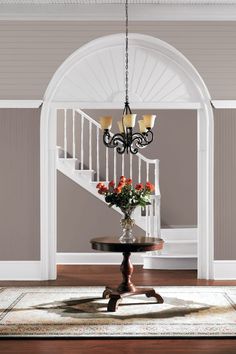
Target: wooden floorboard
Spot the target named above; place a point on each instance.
(109, 275)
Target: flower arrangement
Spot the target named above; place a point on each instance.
(126, 197)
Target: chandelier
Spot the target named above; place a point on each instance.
(127, 140)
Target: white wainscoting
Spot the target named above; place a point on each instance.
(20, 270)
(224, 270)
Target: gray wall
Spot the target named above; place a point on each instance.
(225, 184)
(19, 184)
(30, 52)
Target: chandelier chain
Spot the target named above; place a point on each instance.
(126, 54)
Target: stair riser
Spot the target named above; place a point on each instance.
(179, 248)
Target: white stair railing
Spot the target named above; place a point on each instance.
(85, 144)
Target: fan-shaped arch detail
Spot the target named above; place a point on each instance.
(95, 73)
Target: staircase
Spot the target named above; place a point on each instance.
(88, 162)
(83, 158)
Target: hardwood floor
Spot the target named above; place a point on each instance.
(109, 275)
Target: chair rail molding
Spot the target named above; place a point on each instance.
(92, 74)
(224, 104)
(20, 103)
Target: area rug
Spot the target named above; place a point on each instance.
(81, 312)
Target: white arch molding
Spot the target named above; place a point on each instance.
(160, 77)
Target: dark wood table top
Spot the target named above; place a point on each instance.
(112, 244)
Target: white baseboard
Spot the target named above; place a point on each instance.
(169, 262)
(224, 270)
(20, 270)
(96, 258)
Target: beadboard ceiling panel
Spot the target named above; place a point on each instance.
(31, 52)
(161, 2)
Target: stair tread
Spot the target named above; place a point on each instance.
(67, 158)
(84, 171)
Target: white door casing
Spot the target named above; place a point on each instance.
(161, 77)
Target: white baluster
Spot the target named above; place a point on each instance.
(130, 165)
(107, 165)
(149, 220)
(73, 133)
(82, 143)
(139, 170)
(65, 133)
(90, 145)
(122, 165)
(146, 219)
(147, 171)
(156, 173)
(114, 161)
(98, 166)
(152, 220)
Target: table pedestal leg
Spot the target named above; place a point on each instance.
(126, 287)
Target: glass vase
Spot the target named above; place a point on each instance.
(127, 224)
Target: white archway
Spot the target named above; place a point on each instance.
(160, 76)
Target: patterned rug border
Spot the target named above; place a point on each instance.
(28, 331)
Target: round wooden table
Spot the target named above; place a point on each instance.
(126, 287)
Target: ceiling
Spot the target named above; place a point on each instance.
(80, 2)
(113, 10)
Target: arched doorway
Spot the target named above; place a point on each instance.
(165, 79)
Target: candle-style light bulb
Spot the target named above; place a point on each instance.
(129, 120)
(120, 126)
(149, 120)
(106, 122)
(142, 126)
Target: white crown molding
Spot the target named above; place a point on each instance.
(111, 11)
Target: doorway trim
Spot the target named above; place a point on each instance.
(201, 100)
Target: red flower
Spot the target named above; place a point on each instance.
(150, 187)
(111, 184)
(121, 184)
(139, 187)
(100, 185)
(122, 179)
(129, 181)
(117, 190)
(103, 190)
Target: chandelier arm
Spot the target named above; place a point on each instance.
(117, 141)
(141, 140)
(148, 136)
(137, 143)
